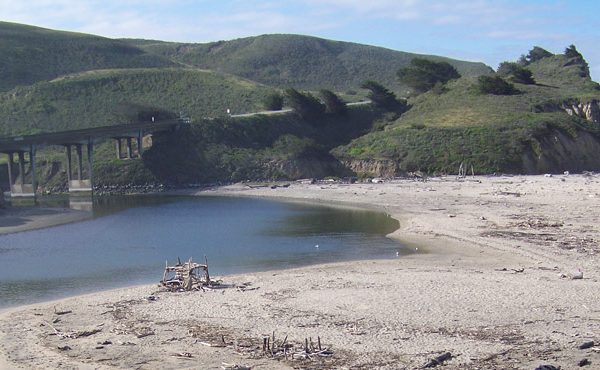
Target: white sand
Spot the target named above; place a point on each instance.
(488, 290)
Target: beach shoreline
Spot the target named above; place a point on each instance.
(489, 289)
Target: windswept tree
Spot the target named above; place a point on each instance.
(306, 105)
(333, 104)
(571, 52)
(382, 97)
(273, 101)
(537, 53)
(422, 74)
(577, 59)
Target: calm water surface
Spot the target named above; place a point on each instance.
(130, 237)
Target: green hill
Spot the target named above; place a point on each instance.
(300, 61)
(528, 132)
(106, 97)
(31, 54)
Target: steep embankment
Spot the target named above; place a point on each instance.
(550, 126)
(259, 147)
(300, 61)
(31, 54)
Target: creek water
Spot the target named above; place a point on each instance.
(130, 237)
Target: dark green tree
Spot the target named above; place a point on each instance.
(537, 53)
(382, 97)
(577, 59)
(516, 72)
(422, 74)
(523, 76)
(306, 105)
(333, 104)
(495, 85)
(273, 101)
(571, 52)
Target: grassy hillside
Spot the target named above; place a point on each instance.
(31, 54)
(101, 98)
(299, 61)
(492, 132)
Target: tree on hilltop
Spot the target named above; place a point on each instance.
(382, 97)
(537, 53)
(571, 52)
(422, 74)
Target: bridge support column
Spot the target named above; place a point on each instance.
(69, 169)
(22, 168)
(78, 183)
(90, 153)
(129, 148)
(10, 173)
(140, 144)
(32, 152)
(118, 147)
(79, 161)
(19, 186)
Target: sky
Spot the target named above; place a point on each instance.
(489, 31)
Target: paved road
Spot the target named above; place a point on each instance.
(284, 111)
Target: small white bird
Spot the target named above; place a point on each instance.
(316, 245)
(577, 274)
(397, 254)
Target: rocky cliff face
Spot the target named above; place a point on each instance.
(560, 152)
(374, 167)
(589, 111)
(308, 168)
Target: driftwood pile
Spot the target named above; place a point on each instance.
(309, 351)
(186, 276)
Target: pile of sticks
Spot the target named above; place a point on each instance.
(186, 276)
(309, 351)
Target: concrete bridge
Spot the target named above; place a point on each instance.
(25, 147)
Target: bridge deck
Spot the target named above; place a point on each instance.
(24, 142)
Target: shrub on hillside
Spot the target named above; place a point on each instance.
(422, 74)
(523, 76)
(333, 104)
(273, 101)
(495, 85)
(382, 97)
(306, 105)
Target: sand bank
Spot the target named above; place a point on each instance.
(490, 291)
(17, 219)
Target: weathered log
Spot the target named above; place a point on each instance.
(439, 360)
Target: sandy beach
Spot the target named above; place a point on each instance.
(488, 281)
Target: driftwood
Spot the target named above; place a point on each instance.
(186, 276)
(439, 360)
(74, 334)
